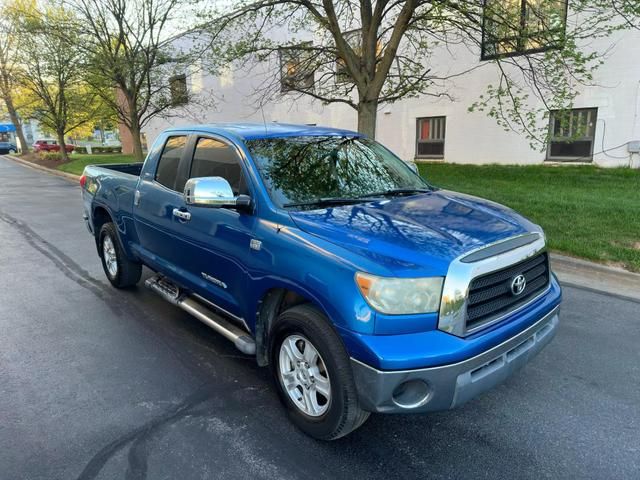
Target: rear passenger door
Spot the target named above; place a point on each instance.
(158, 196)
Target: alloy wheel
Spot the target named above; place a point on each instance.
(304, 375)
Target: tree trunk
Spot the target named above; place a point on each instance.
(134, 129)
(137, 142)
(63, 149)
(367, 114)
(13, 115)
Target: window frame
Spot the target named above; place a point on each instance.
(553, 138)
(284, 87)
(181, 160)
(242, 158)
(521, 36)
(238, 152)
(178, 102)
(419, 121)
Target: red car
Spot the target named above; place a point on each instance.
(50, 146)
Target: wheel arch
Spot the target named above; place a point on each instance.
(272, 303)
(101, 215)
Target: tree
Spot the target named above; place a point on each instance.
(51, 70)
(129, 50)
(629, 11)
(8, 77)
(365, 53)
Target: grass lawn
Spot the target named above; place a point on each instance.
(585, 211)
(79, 161)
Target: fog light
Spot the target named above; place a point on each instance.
(412, 394)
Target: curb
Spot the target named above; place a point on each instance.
(67, 176)
(617, 282)
(560, 260)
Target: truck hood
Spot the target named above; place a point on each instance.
(417, 235)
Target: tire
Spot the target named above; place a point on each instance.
(121, 272)
(335, 412)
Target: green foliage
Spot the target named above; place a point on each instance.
(51, 70)
(133, 48)
(364, 53)
(629, 11)
(585, 211)
(56, 156)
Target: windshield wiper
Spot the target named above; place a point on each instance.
(330, 201)
(397, 191)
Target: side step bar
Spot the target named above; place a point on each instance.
(163, 287)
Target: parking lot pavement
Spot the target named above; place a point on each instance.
(98, 384)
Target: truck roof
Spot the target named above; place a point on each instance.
(252, 131)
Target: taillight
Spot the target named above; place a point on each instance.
(83, 180)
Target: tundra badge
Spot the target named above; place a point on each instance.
(213, 280)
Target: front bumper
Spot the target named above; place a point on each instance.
(447, 386)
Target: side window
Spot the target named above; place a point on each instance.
(167, 171)
(213, 158)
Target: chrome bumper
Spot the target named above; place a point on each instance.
(448, 386)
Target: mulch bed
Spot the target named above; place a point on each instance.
(48, 163)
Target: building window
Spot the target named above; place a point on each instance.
(519, 27)
(296, 68)
(354, 39)
(178, 89)
(430, 137)
(571, 134)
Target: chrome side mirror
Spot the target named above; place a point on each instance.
(213, 192)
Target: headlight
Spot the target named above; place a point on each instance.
(401, 295)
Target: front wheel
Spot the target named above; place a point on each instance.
(120, 271)
(313, 375)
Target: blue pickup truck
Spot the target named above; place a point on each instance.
(318, 251)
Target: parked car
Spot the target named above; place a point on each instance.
(323, 255)
(50, 146)
(8, 147)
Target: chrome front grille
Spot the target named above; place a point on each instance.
(490, 296)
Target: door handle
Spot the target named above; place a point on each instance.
(182, 215)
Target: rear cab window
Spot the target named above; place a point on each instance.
(169, 163)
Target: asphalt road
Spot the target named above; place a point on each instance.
(98, 383)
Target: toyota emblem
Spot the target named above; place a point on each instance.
(518, 284)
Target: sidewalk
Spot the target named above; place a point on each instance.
(35, 166)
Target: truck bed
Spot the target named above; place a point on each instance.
(112, 187)
(128, 168)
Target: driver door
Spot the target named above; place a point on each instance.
(214, 242)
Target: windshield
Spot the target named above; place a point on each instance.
(298, 170)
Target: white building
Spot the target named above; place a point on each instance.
(441, 129)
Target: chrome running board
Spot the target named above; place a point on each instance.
(171, 293)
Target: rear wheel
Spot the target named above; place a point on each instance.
(313, 374)
(120, 271)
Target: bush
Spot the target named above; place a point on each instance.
(99, 150)
(57, 156)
